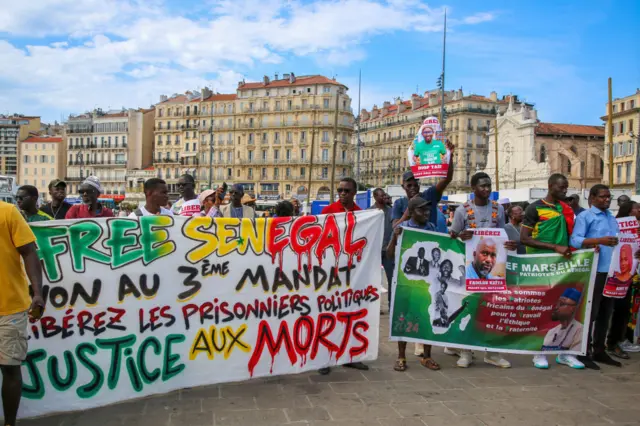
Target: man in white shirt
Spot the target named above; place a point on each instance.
(156, 196)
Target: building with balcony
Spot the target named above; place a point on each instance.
(529, 151)
(108, 145)
(386, 133)
(626, 141)
(13, 129)
(265, 136)
(42, 159)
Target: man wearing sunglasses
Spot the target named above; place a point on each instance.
(347, 189)
(188, 204)
(89, 191)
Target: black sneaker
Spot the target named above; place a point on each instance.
(588, 362)
(324, 371)
(604, 358)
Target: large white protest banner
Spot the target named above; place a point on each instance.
(136, 308)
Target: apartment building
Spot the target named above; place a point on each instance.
(13, 129)
(261, 137)
(108, 145)
(626, 142)
(42, 159)
(184, 127)
(387, 132)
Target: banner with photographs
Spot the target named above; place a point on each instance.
(486, 261)
(428, 155)
(544, 308)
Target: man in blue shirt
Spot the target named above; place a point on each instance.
(484, 259)
(419, 212)
(596, 227)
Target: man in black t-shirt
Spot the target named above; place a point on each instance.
(57, 208)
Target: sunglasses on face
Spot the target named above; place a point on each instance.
(20, 197)
(345, 190)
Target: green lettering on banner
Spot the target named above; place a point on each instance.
(36, 390)
(147, 376)
(48, 252)
(91, 388)
(155, 238)
(119, 240)
(169, 369)
(53, 369)
(116, 346)
(82, 237)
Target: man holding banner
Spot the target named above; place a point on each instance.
(479, 213)
(420, 210)
(546, 228)
(17, 245)
(597, 227)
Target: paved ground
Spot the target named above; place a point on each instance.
(480, 395)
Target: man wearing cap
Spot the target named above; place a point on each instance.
(411, 187)
(156, 196)
(58, 207)
(235, 208)
(89, 191)
(568, 334)
(419, 212)
(211, 201)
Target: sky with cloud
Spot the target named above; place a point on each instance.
(67, 56)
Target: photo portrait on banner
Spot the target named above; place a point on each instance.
(486, 261)
(428, 155)
(623, 267)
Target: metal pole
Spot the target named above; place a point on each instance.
(444, 48)
(358, 130)
(638, 159)
(496, 147)
(335, 145)
(610, 134)
(313, 144)
(211, 156)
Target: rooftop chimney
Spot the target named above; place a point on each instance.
(163, 98)
(493, 96)
(276, 76)
(265, 79)
(292, 78)
(286, 76)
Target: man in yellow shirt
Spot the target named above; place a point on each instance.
(16, 241)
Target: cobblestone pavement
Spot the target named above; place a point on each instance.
(480, 395)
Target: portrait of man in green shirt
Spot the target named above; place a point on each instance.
(426, 150)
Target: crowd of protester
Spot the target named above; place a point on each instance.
(554, 224)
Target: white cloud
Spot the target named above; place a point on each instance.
(479, 18)
(121, 51)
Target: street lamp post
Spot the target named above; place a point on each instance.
(211, 157)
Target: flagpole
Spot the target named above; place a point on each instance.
(358, 129)
(444, 49)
